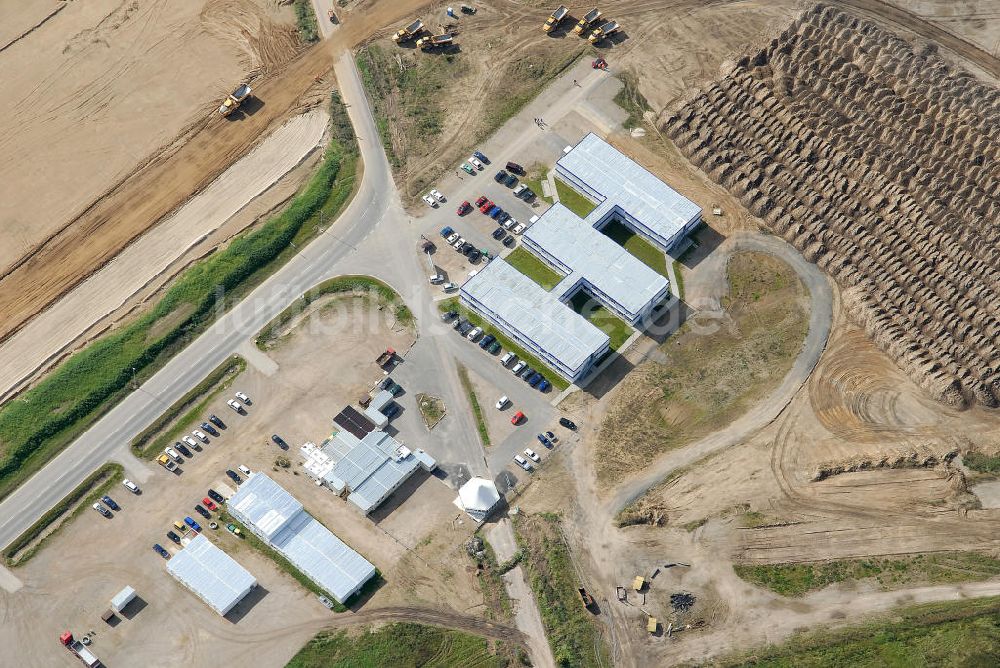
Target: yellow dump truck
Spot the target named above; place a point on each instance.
(409, 32)
(434, 41)
(606, 30)
(555, 18)
(235, 99)
(588, 20)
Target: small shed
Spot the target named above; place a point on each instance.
(122, 599)
(652, 624)
(638, 583)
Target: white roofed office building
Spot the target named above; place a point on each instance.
(279, 520)
(211, 574)
(626, 191)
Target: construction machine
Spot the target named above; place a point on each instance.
(588, 20)
(606, 30)
(235, 99)
(434, 41)
(409, 32)
(555, 18)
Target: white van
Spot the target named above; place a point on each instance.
(474, 334)
(507, 358)
(522, 462)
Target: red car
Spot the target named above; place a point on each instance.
(208, 503)
(518, 416)
(481, 201)
(487, 205)
(464, 208)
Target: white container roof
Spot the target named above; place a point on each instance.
(211, 573)
(265, 504)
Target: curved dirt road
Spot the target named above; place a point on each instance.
(708, 286)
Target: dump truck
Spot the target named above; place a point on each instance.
(555, 18)
(78, 648)
(585, 597)
(166, 462)
(235, 99)
(435, 41)
(409, 32)
(606, 30)
(386, 358)
(588, 20)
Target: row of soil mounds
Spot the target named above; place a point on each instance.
(880, 164)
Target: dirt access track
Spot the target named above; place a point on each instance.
(200, 153)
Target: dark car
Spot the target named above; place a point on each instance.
(500, 176)
(494, 348)
(515, 168)
(392, 410)
(496, 214)
(566, 422)
(217, 421)
(544, 385)
(110, 503)
(465, 328)
(160, 551)
(544, 441)
(449, 315)
(527, 373)
(467, 248)
(278, 441)
(475, 256)
(182, 449)
(481, 157)
(528, 194)
(209, 428)
(498, 233)
(535, 380)
(509, 241)
(234, 476)
(510, 181)
(486, 340)
(198, 508)
(503, 217)
(458, 323)
(174, 537)
(386, 383)
(215, 496)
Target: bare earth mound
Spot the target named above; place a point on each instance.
(880, 164)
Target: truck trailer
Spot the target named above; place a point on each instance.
(79, 649)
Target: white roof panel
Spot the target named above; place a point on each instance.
(211, 573)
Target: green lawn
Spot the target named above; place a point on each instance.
(961, 633)
(529, 265)
(644, 251)
(533, 179)
(558, 382)
(573, 200)
(477, 409)
(606, 321)
(401, 644)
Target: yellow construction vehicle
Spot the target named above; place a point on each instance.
(555, 18)
(235, 99)
(606, 30)
(588, 20)
(409, 32)
(434, 41)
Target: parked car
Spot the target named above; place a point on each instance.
(481, 200)
(215, 496)
(173, 454)
(526, 374)
(519, 228)
(449, 287)
(532, 455)
(448, 315)
(209, 428)
(523, 463)
(461, 322)
(160, 551)
(486, 206)
(475, 163)
(544, 441)
(200, 435)
(498, 233)
(131, 486)
(510, 181)
(181, 448)
(516, 419)
(519, 189)
(208, 503)
(392, 410)
(500, 176)
(507, 359)
(468, 168)
(535, 379)
(326, 602)
(452, 238)
(232, 474)
(191, 523)
(509, 223)
(569, 424)
(527, 194)
(429, 201)
(101, 509)
(481, 157)
(436, 194)
(552, 437)
(496, 213)
(174, 537)
(243, 397)
(466, 248)
(515, 168)
(502, 402)
(519, 367)
(463, 208)
(494, 348)
(447, 232)
(235, 405)
(508, 241)
(544, 385)
(475, 256)
(474, 334)
(486, 340)
(235, 530)
(201, 511)
(191, 442)
(245, 470)
(217, 421)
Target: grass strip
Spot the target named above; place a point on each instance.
(642, 250)
(398, 644)
(477, 411)
(679, 282)
(958, 633)
(631, 100)
(92, 488)
(151, 441)
(570, 629)
(525, 262)
(572, 200)
(617, 329)
(977, 461)
(453, 304)
(361, 286)
(305, 18)
(48, 417)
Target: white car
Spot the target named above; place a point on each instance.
(532, 455)
(474, 334)
(475, 163)
(449, 287)
(453, 237)
(130, 486)
(190, 441)
(200, 435)
(519, 228)
(436, 279)
(519, 367)
(509, 223)
(458, 243)
(245, 470)
(436, 194)
(244, 398)
(174, 455)
(523, 463)
(507, 358)
(430, 201)
(502, 403)
(235, 405)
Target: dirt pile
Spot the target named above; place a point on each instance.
(917, 457)
(879, 163)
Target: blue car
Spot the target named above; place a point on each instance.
(535, 380)
(109, 502)
(191, 523)
(492, 210)
(544, 385)
(447, 232)
(481, 157)
(392, 410)
(160, 551)
(496, 214)
(544, 441)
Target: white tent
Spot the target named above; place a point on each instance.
(478, 498)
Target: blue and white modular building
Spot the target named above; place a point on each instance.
(211, 574)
